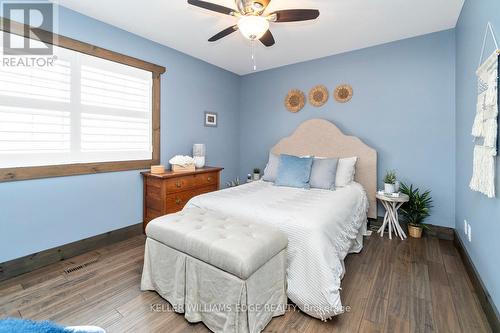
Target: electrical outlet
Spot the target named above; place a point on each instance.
(469, 232)
(465, 226)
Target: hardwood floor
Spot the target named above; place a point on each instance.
(392, 286)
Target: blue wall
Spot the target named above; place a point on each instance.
(482, 213)
(40, 214)
(403, 106)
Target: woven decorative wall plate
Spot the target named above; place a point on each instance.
(295, 100)
(318, 95)
(343, 93)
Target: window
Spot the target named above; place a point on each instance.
(92, 110)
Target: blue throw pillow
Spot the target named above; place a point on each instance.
(294, 171)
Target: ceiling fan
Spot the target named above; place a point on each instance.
(252, 22)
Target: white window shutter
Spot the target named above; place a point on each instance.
(84, 109)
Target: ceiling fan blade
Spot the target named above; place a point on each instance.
(267, 39)
(223, 33)
(213, 7)
(293, 15)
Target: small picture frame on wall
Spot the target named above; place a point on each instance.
(210, 119)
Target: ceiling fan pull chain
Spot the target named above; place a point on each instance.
(254, 62)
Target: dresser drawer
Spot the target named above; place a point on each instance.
(176, 201)
(180, 183)
(188, 182)
(206, 179)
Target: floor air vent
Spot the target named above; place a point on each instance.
(81, 266)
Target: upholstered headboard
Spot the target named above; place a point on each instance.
(319, 137)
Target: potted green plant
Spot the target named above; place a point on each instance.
(416, 210)
(390, 181)
(256, 174)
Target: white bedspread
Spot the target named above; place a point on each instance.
(322, 227)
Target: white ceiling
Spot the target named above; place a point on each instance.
(344, 25)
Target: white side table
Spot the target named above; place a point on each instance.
(391, 218)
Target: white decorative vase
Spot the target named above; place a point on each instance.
(397, 184)
(199, 149)
(389, 188)
(199, 152)
(199, 161)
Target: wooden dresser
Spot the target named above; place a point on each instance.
(168, 192)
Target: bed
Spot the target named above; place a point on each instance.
(322, 226)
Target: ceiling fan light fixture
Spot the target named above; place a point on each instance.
(253, 27)
(257, 6)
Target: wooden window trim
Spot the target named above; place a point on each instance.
(24, 173)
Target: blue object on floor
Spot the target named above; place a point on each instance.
(14, 325)
(17, 325)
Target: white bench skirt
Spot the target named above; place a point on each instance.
(222, 301)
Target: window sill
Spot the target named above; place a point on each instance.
(25, 173)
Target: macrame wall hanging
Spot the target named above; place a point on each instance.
(485, 127)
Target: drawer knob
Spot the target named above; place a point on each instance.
(178, 184)
(178, 201)
(209, 179)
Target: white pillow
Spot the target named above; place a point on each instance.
(271, 169)
(345, 171)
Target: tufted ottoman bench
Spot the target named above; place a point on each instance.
(227, 273)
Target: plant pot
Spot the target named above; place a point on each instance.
(389, 188)
(415, 232)
(256, 176)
